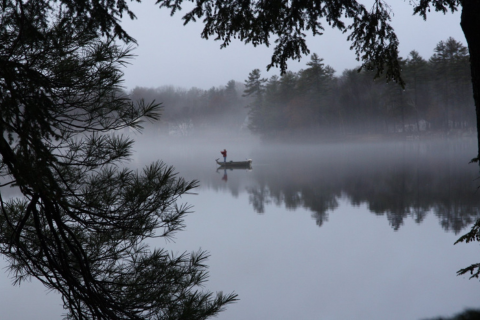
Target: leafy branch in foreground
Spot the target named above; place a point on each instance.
(472, 235)
(256, 22)
(80, 223)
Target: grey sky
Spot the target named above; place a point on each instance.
(172, 54)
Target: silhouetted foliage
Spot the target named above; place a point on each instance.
(469, 314)
(81, 222)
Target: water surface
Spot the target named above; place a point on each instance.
(360, 231)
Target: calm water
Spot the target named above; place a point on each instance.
(320, 232)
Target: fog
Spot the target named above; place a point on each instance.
(398, 179)
(331, 230)
(315, 105)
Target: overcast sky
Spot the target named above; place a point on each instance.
(172, 54)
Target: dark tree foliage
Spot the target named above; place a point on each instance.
(254, 88)
(450, 71)
(80, 223)
(373, 39)
(255, 22)
(314, 104)
(417, 76)
(468, 314)
(472, 235)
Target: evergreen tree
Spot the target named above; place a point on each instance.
(396, 105)
(316, 83)
(312, 79)
(80, 223)
(417, 89)
(254, 85)
(448, 63)
(360, 100)
(254, 88)
(272, 101)
(231, 92)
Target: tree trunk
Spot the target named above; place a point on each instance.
(470, 23)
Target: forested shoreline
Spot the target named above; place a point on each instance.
(315, 103)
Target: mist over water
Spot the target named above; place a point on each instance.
(396, 180)
(323, 231)
(331, 231)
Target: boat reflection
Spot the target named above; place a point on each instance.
(238, 168)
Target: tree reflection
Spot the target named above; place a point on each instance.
(398, 181)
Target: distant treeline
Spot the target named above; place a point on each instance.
(186, 111)
(437, 97)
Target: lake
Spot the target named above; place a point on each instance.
(327, 231)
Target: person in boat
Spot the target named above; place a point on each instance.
(224, 154)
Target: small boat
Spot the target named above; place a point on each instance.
(235, 164)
